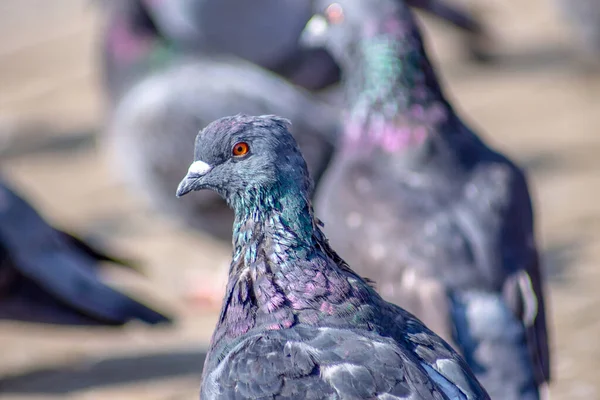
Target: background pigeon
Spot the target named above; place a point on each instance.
(49, 276)
(163, 91)
(143, 34)
(158, 104)
(157, 119)
(417, 202)
(584, 19)
(296, 321)
(170, 67)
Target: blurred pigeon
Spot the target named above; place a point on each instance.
(150, 131)
(145, 43)
(584, 19)
(172, 66)
(163, 92)
(296, 321)
(49, 276)
(142, 35)
(420, 204)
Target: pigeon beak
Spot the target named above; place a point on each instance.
(190, 182)
(314, 32)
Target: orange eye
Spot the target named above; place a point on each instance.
(334, 13)
(240, 149)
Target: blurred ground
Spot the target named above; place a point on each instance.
(535, 105)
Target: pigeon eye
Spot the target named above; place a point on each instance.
(240, 149)
(334, 13)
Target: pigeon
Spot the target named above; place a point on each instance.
(419, 203)
(50, 276)
(200, 71)
(170, 67)
(142, 35)
(583, 17)
(162, 92)
(156, 120)
(296, 320)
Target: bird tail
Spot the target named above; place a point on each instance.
(494, 344)
(100, 255)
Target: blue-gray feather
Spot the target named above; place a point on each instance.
(296, 321)
(170, 67)
(417, 202)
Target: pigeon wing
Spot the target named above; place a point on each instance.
(317, 363)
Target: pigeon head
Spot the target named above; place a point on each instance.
(379, 47)
(246, 158)
(394, 101)
(339, 26)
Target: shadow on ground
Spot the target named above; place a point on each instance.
(38, 138)
(64, 380)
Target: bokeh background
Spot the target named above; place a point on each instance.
(535, 103)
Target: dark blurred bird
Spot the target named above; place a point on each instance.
(296, 321)
(49, 276)
(417, 202)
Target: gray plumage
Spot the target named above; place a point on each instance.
(170, 67)
(162, 91)
(417, 202)
(583, 17)
(141, 37)
(263, 32)
(49, 276)
(296, 321)
(151, 129)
